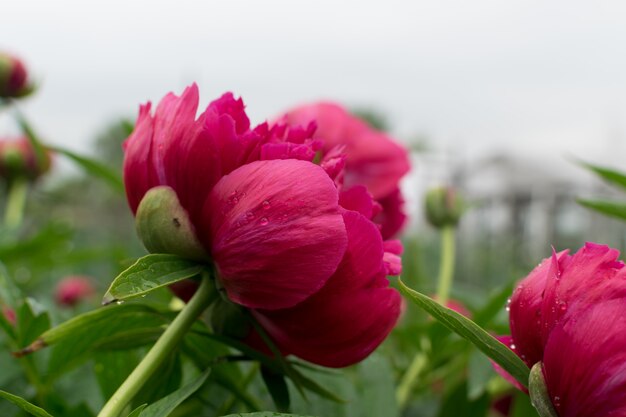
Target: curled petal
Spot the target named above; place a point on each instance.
(350, 316)
(391, 216)
(275, 232)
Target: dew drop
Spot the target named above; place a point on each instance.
(266, 205)
(557, 401)
(264, 221)
(119, 302)
(513, 347)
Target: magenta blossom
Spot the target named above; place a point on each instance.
(72, 290)
(285, 242)
(373, 159)
(568, 314)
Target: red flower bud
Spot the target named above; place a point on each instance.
(13, 77)
(18, 159)
(72, 290)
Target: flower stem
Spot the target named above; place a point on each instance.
(161, 350)
(16, 200)
(446, 265)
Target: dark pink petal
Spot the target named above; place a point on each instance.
(275, 232)
(350, 316)
(139, 172)
(374, 159)
(585, 361)
(525, 309)
(357, 199)
(391, 258)
(508, 342)
(392, 217)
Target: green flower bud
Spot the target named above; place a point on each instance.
(164, 226)
(444, 207)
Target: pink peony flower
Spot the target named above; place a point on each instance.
(72, 290)
(285, 241)
(19, 160)
(373, 159)
(13, 77)
(569, 314)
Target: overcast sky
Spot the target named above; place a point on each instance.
(530, 77)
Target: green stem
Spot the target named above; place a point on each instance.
(16, 201)
(410, 378)
(161, 350)
(446, 266)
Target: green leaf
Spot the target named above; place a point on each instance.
(112, 368)
(79, 337)
(480, 373)
(149, 273)
(40, 150)
(137, 411)
(265, 414)
(456, 403)
(32, 321)
(166, 405)
(470, 331)
(610, 175)
(93, 167)
(31, 409)
(277, 387)
(610, 208)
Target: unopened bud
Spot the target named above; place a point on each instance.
(444, 207)
(539, 395)
(164, 226)
(73, 289)
(13, 78)
(18, 159)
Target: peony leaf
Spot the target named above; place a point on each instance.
(93, 167)
(610, 208)
(31, 409)
(137, 411)
(277, 387)
(166, 405)
(472, 332)
(265, 414)
(609, 175)
(149, 273)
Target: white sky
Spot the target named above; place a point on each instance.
(532, 77)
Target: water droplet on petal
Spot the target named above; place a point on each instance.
(264, 221)
(266, 205)
(513, 347)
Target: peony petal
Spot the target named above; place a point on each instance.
(351, 315)
(275, 232)
(139, 173)
(585, 361)
(525, 311)
(392, 217)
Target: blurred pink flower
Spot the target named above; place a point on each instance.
(272, 222)
(373, 159)
(9, 314)
(13, 77)
(73, 289)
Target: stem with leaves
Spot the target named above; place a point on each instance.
(162, 349)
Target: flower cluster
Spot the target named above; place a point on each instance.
(297, 243)
(568, 314)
